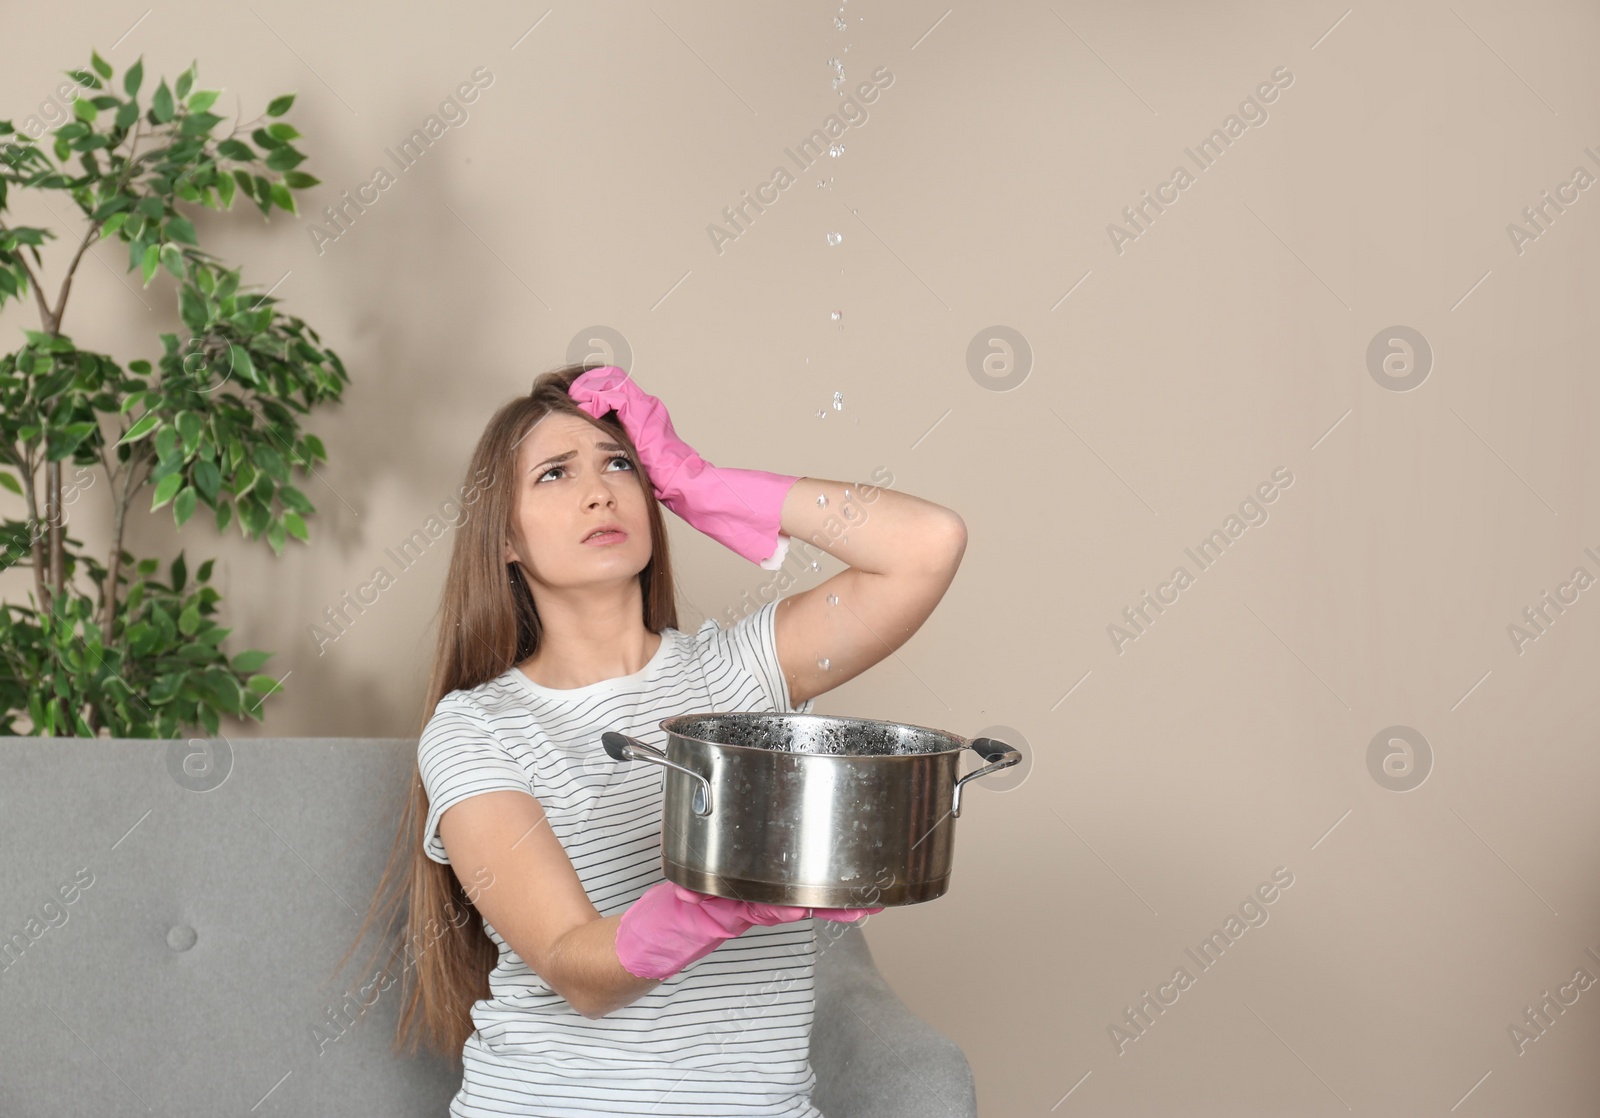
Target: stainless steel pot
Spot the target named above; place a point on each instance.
(810, 809)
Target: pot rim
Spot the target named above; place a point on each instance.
(666, 725)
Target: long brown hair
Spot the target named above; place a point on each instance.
(487, 623)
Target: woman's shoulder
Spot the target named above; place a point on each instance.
(487, 700)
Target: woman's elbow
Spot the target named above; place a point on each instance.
(950, 543)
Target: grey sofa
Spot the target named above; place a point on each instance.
(170, 918)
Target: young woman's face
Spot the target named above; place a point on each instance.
(572, 479)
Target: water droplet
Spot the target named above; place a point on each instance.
(833, 599)
(816, 566)
(822, 500)
(835, 150)
(840, 24)
(844, 539)
(836, 315)
(822, 662)
(835, 65)
(835, 238)
(838, 401)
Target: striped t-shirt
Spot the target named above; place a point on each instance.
(730, 1033)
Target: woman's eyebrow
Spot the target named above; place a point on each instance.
(573, 454)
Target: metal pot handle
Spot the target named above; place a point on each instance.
(623, 748)
(1001, 756)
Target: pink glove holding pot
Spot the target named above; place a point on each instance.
(669, 926)
(738, 508)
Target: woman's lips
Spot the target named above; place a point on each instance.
(605, 538)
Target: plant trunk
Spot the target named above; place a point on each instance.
(52, 505)
(38, 545)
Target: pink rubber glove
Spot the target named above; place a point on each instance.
(669, 926)
(741, 509)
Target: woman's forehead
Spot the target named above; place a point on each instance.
(558, 431)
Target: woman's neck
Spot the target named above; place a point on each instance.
(568, 661)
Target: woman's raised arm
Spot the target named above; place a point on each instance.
(902, 552)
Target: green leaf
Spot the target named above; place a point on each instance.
(185, 82)
(283, 130)
(183, 505)
(140, 429)
(166, 688)
(265, 139)
(172, 258)
(113, 223)
(152, 260)
(285, 200)
(193, 310)
(181, 229)
(11, 483)
(180, 573)
(166, 490)
(189, 619)
(127, 113)
(101, 66)
(249, 661)
(207, 478)
(204, 99)
(296, 526)
(284, 159)
(224, 515)
(84, 111)
(236, 149)
(264, 684)
(225, 191)
(241, 363)
(299, 180)
(275, 536)
(280, 105)
(161, 103)
(166, 452)
(199, 124)
(204, 572)
(190, 426)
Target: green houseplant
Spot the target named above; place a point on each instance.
(112, 647)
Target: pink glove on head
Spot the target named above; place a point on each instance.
(742, 509)
(669, 926)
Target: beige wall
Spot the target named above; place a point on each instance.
(1228, 341)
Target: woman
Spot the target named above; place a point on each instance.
(549, 950)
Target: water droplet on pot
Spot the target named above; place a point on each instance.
(836, 150)
(835, 238)
(822, 500)
(822, 662)
(837, 316)
(840, 24)
(833, 599)
(838, 401)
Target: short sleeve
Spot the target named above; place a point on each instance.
(752, 643)
(458, 756)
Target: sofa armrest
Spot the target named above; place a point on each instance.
(873, 1057)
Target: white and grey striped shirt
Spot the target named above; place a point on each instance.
(729, 1035)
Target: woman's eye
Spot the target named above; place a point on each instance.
(623, 458)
